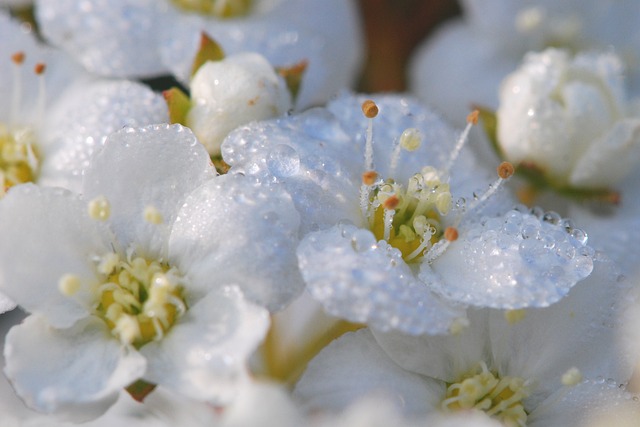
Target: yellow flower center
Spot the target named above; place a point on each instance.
(217, 8)
(409, 218)
(499, 397)
(140, 300)
(18, 156)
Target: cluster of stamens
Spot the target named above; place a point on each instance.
(19, 157)
(218, 8)
(499, 397)
(411, 217)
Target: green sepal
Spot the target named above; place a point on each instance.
(293, 77)
(534, 175)
(140, 389)
(209, 50)
(179, 105)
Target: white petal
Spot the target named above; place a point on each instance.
(456, 68)
(153, 166)
(110, 37)
(204, 355)
(81, 121)
(75, 372)
(53, 234)
(6, 303)
(442, 357)
(582, 331)
(257, 402)
(586, 403)
(356, 278)
(232, 230)
(513, 261)
(312, 155)
(610, 158)
(354, 366)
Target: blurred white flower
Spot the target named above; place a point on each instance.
(534, 367)
(381, 241)
(567, 118)
(233, 91)
(129, 38)
(465, 61)
(149, 264)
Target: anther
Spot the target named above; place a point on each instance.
(69, 284)
(369, 109)
(18, 58)
(505, 170)
(152, 215)
(391, 202)
(39, 68)
(473, 116)
(451, 234)
(369, 177)
(99, 208)
(572, 377)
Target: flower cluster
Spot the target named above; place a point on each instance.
(254, 243)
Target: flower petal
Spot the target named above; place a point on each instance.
(359, 279)
(75, 372)
(204, 355)
(53, 234)
(233, 231)
(354, 366)
(153, 166)
(81, 121)
(513, 261)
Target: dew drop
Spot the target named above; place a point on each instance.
(283, 161)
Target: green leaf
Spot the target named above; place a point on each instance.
(489, 121)
(140, 389)
(209, 51)
(179, 105)
(293, 77)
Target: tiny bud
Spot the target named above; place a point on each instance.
(18, 58)
(369, 177)
(369, 109)
(473, 117)
(391, 202)
(451, 234)
(505, 170)
(40, 68)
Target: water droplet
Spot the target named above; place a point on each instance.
(363, 240)
(283, 161)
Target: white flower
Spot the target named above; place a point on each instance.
(140, 277)
(568, 118)
(465, 61)
(54, 116)
(541, 367)
(377, 249)
(151, 37)
(236, 90)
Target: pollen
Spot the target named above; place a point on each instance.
(572, 377)
(481, 389)
(369, 109)
(152, 215)
(99, 208)
(69, 284)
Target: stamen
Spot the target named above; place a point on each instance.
(369, 178)
(388, 222)
(370, 111)
(152, 215)
(505, 171)
(472, 119)
(451, 234)
(69, 285)
(42, 94)
(410, 140)
(17, 59)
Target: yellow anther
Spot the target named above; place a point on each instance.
(451, 234)
(572, 377)
(99, 208)
(411, 139)
(443, 202)
(69, 285)
(473, 116)
(505, 170)
(108, 263)
(152, 215)
(369, 177)
(127, 329)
